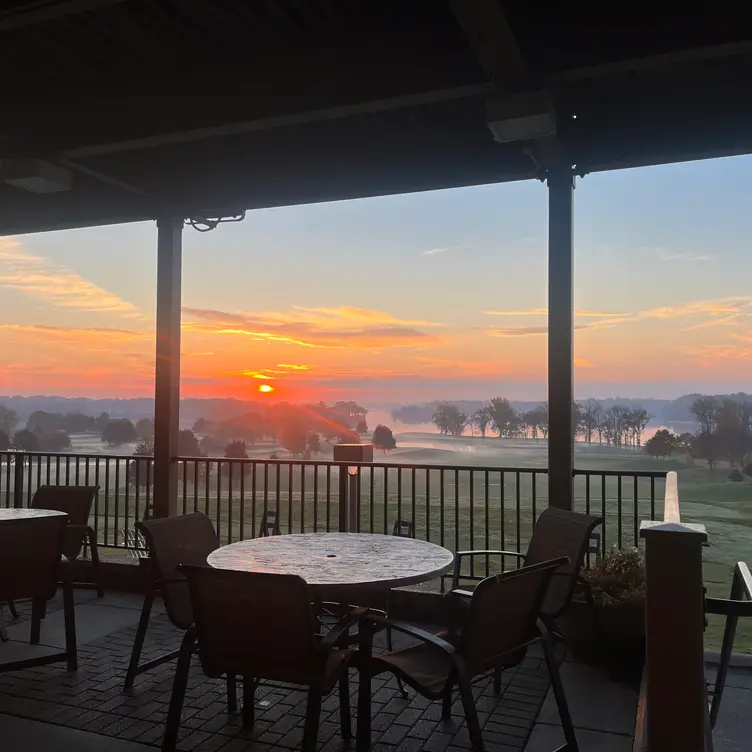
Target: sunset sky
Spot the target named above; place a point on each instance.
(403, 299)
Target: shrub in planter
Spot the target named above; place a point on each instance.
(608, 627)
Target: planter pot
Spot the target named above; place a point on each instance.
(611, 637)
(622, 632)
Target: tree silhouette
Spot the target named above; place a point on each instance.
(8, 420)
(383, 438)
(119, 432)
(26, 441)
(313, 442)
(502, 415)
(482, 419)
(662, 444)
(361, 428)
(145, 429)
(188, 444)
(140, 470)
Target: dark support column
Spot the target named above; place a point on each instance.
(560, 338)
(167, 383)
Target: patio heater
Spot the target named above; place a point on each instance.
(349, 484)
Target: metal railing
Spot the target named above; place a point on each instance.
(457, 506)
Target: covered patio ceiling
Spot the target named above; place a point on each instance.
(209, 107)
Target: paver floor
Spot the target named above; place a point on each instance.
(92, 700)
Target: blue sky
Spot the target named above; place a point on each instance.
(404, 298)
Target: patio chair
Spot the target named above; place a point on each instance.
(31, 565)
(282, 645)
(501, 623)
(76, 502)
(403, 529)
(557, 533)
(172, 541)
(269, 524)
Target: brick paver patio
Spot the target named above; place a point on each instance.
(92, 699)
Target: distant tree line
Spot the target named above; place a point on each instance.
(725, 434)
(619, 425)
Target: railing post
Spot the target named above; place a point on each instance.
(167, 375)
(560, 337)
(677, 712)
(18, 479)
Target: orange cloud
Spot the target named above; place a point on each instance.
(329, 328)
(53, 284)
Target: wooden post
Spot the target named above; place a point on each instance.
(167, 381)
(677, 710)
(560, 338)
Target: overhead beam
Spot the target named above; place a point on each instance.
(48, 10)
(486, 28)
(281, 121)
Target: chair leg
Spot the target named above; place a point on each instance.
(390, 647)
(313, 714)
(37, 614)
(497, 681)
(3, 631)
(363, 728)
(559, 695)
(94, 548)
(345, 721)
(69, 613)
(249, 700)
(471, 716)
(12, 609)
(172, 728)
(446, 705)
(232, 694)
(138, 642)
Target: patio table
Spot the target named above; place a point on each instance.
(9, 516)
(339, 561)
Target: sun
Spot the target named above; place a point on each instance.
(266, 388)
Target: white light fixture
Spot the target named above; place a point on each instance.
(35, 175)
(521, 117)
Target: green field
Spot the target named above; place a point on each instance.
(472, 507)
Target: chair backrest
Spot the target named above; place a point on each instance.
(403, 529)
(172, 541)
(30, 552)
(75, 501)
(269, 524)
(501, 619)
(254, 624)
(560, 532)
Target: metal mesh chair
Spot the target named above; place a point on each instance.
(558, 532)
(269, 524)
(282, 645)
(76, 502)
(172, 541)
(501, 623)
(31, 566)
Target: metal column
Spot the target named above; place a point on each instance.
(167, 382)
(560, 338)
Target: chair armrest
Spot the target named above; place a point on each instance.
(458, 556)
(495, 552)
(420, 634)
(343, 625)
(457, 592)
